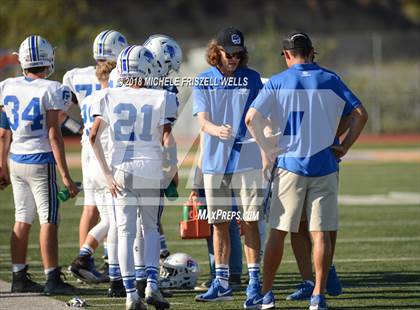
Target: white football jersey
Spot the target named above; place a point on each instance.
(26, 103)
(82, 82)
(135, 118)
(86, 108)
(114, 80)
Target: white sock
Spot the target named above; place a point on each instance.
(18, 267)
(222, 274)
(48, 270)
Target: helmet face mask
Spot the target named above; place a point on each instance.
(167, 52)
(35, 51)
(179, 270)
(108, 44)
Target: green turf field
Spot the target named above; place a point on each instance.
(377, 256)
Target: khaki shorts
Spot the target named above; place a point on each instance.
(244, 186)
(294, 194)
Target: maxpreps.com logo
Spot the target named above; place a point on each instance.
(236, 39)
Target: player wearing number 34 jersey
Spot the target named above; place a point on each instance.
(32, 104)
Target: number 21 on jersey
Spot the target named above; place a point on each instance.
(131, 112)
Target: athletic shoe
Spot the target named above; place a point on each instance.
(135, 305)
(334, 287)
(102, 277)
(155, 298)
(216, 292)
(318, 303)
(83, 268)
(104, 269)
(116, 289)
(22, 282)
(254, 302)
(203, 287)
(141, 287)
(56, 286)
(253, 289)
(268, 301)
(304, 292)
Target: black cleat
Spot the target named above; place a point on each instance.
(22, 283)
(83, 268)
(103, 269)
(116, 289)
(56, 286)
(155, 298)
(141, 287)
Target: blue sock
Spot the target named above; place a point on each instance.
(141, 273)
(130, 285)
(254, 273)
(114, 272)
(152, 277)
(85, 250)
(222, 274)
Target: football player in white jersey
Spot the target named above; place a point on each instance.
(32, 103)
(168, 57)
(136, 117)
(83, 82)
(83, 267)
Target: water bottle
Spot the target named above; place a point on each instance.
(64, 194)
(186, 211)
(171, 192)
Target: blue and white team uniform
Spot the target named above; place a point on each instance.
(228, 163)
(135, 118)
(83, 83)
(306, 102)
(26, 102)
(93, 178)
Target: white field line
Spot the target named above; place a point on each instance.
(392, 198)
(341, 261)
(200, 241)
(402, 223)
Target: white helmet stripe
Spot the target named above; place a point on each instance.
(30, 49)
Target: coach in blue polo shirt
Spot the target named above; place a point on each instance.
(221, 100)
(305, 103)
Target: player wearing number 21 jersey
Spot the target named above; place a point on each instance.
(136, 118)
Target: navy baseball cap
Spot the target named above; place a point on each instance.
(297, 40)
(231, 39)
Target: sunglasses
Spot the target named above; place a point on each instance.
(238, 55)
